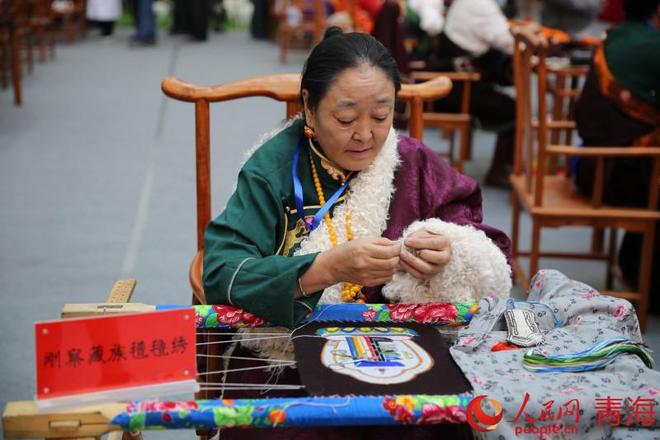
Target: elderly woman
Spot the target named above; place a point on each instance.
(337, 207)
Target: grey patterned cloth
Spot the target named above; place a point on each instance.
(573, 317)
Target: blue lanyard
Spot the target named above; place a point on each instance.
(298, 193)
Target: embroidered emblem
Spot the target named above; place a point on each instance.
(294, 237)
(378, 355)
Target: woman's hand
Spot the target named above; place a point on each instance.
(431, 253)
(364, 261)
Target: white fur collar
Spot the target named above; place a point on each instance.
(368, 201)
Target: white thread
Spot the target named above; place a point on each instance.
(245, 358)
(256, 385)
(332, 406)
(220, 388)
(232, 334)
(274, 375)
(314, 319)
(253, 385)
(246, 339)
(277, 367)
(233, 370)
(233, 277)
(305, 304)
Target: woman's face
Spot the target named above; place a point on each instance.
(353, 119)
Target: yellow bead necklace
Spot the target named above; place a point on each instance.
(349, 291)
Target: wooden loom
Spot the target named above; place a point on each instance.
(23, 419)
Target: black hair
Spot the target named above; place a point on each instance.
(639, 10)
(339, 51)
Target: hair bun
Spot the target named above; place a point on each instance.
(332, 31)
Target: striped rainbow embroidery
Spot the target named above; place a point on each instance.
(379, 355)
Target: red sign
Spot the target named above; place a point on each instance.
(90, 355)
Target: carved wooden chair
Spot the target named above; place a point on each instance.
(4, 45)
(42, 22)
(451, 123)
(551, 199)
(281, 87)
(565, 92)
(14, 33)
(71, 14)
(310, 26)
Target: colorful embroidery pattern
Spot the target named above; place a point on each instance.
(366, 331)
(225, 316)
(427, 410)
(378, 355)
(221, 316)
(299, 412)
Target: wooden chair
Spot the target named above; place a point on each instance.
(14, 31)
(551, 199)
(42, 23)
(281, 87)
(284, 88)
(4, 45)
(310, 25)
(72, 18)
(565, 93)
(451, 123)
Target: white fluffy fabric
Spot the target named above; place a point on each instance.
(476, 268)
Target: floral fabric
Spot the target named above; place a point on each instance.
(299, 412)
(220, 316)
(573, 317)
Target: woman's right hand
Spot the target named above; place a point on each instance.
(364, 261)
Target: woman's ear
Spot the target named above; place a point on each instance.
(308, 112)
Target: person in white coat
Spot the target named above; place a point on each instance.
(105, 13)
(474, 35)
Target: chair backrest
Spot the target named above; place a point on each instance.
(42, 8)
(568, 82)
(17, 12)
(466, 78)
(532, 148)
(529, 54)
(317, 18)
(281, 87)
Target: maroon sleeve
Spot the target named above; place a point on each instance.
(452, 197)
(427, 187)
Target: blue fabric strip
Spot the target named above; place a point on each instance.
(298, 194)
(171, 307)
(303, 412)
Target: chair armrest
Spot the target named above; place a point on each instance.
(579, 70)
(603, 151)
(436, 88)
(454, 76)
(417, 65)
(283, 87)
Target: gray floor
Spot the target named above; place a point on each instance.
(97, 180)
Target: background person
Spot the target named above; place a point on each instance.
(105, 13)
(620, 106)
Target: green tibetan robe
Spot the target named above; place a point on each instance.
(248, 252)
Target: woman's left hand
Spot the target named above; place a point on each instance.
(432, 254)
